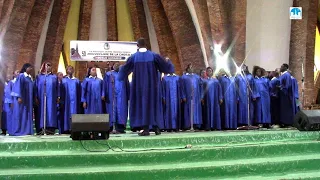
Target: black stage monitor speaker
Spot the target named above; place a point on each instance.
(90, 126)
(307, 120)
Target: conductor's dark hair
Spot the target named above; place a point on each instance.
(25, 67)
(141, 42)
(285, 65)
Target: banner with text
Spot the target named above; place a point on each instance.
(101, 50)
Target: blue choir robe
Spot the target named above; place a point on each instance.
(262, 103)
(6, 105)
(274, 100)
(295, 98)
(144, 95)
(159, 106)
(22, 114)
(49, 81)
(247, 92)
(92, 91)
(230, 100)
(106, 88)
(171, 96)
(60, 107)
(286, 99)
(212, 95)
(192, 92)
(117, 96)
(72, 98)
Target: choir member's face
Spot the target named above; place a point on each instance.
(16, 73)
(93, 72)
(8, 78)
(60, 76)
(209, 72)
(203, 73)
(283, 68)
(29, 70)
(70, 70)
(190, 69)
(49, 67)
(116, 66)
(245, 68)
(259, 72)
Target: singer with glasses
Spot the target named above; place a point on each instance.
(46, 96)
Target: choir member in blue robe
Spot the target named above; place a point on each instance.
(144, 93)
(106, 79)
(7, 104)
(46, 84)
(295, 99)
(286, 96)
(262, 103)
(247, 95)
(72, 99)
(61, 103)
(22, 113)
(159, 106)
(203, 74)
(117, 100)
(93, 93)
(192, 96)
(171, 100)
(212, 95)
(230, 100)
(203, 79)
(274, 98)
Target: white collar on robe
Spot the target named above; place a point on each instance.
(27, 75)
(292, 77)
(273, 78)
(93, 77)
(172, 74)
(71, 78)
(188, 74)
(14, 80)
(6, 83)
(257, 77)
(284, 72)
(142, 49)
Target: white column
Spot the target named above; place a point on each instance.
(268, 33)
(42, 40)
(198, 29)
(98, 23)
(152, 32)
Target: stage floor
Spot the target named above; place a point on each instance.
(259, 154)
(134, 135)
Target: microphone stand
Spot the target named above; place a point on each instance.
(113, 104)
(302, 80)
(249, 126)
(191, 108)
(44, 132)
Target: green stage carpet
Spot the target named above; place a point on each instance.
(257, 155)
